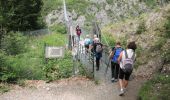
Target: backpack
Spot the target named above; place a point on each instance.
(116, 54)
(87, 42)
(99, 48)
(78, 32)
(128, 63)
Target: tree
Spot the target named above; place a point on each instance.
(20, 15)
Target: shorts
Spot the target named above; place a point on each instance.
(123, 75)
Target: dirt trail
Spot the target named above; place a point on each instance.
(76, 88)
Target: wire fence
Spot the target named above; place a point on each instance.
(37, 32)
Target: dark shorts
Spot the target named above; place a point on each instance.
(123, 75)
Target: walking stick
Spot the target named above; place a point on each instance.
(107, 67)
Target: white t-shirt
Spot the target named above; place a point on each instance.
(130, 53)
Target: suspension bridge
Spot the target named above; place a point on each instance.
(78, 50)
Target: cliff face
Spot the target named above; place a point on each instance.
(103, 11)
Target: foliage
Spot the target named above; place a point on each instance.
(58, 28)
(20, 15)
(109, 1)
(77, 5)
(150, 3)
(156, 89)
(159, 43)
(14, 43)
(59, 68)
(4, 88)
(167, 25)
(141, 28)
(6, 72)
(49, 5)
(108, 39)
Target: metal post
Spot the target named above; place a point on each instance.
(93, 61)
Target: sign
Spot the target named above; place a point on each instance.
(54, 52)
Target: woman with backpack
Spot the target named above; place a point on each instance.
(126, 61)
(97, 49)
(114, 61)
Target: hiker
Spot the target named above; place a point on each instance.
(114, 61)
(126, 61)
(78, 31)
(97, 50)
(87, 43)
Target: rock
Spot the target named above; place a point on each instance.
(47, 88)
(108, 7)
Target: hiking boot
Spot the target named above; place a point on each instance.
(121, 93)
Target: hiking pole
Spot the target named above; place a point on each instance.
(107, 67)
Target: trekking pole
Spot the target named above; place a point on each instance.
(107, 67)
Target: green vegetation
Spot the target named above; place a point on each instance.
(58, 28)
(4, 88)
(15, 15)
(109, 1)
(108, 39)
(49, 5)
(156, 89)
(77, 5)
(150, 3)
(141, 28)
(26, 60)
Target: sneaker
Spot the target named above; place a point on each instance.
(113, 79)
(121, 93)
(125, 89)
(116, 80)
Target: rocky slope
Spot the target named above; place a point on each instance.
(152, 42)
(103, 11)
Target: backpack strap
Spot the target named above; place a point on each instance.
(126, 55)
(133, 56)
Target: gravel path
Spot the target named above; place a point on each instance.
(76, 88)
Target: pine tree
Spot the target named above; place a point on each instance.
(20, 15)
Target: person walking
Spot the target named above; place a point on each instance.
(126, 61)
(78, 31)
(114, 61)
(87, 43)
(97, 50)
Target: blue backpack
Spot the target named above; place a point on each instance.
(116, 54)
(88, 42)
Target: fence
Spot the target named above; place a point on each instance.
(37, 32)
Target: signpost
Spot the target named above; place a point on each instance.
(54, 52)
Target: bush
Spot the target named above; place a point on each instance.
(59, 68)
(14, 43)
(141, 28)
(150, 3)
(167, 26)
(58, 29)
(108, 39)
(156, 89)
(6, 72)
(109, 1)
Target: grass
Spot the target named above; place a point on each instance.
(156, 89)
(4, 88)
